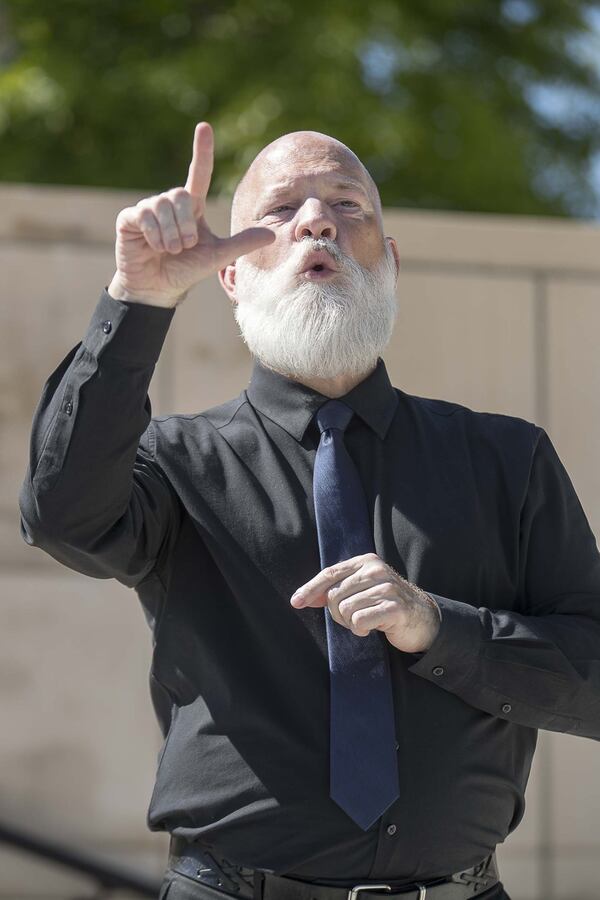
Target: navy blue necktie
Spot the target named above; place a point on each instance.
(363, 759)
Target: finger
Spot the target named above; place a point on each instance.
(201, 166)
(151, 230)
(382, 617)
(312, 593)
(378, 593)
(370, 573)
(228, 249)
(135, 220)
(342, 612)
(183, 209)
(164, 212)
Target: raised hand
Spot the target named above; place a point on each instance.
(164, 245)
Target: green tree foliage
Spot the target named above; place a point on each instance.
(442, 99)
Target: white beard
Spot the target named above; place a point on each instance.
(308, 329)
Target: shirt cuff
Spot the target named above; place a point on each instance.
(133, 332)
(455, 650)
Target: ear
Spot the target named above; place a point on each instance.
(227, 280)
(394, 248)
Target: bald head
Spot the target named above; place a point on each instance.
(309, 153)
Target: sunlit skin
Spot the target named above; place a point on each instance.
(303, 184)
(306, 184)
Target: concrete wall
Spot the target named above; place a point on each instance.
(498, 313)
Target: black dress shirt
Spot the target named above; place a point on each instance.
(210, 518)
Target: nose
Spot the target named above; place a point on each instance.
(315, 221)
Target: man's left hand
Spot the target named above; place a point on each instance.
(364, 593)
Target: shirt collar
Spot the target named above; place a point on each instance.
(292, 404)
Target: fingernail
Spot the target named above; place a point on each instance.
(297, 599)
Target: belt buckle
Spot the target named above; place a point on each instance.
(353, 892)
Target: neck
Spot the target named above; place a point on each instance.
(337, 386)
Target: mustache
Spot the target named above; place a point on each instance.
(310, 245)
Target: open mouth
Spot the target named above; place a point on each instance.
(318, 272)
(318, 265)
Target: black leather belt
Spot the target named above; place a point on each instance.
(211, 869)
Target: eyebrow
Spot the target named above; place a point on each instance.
(351, 185)
(279, 189)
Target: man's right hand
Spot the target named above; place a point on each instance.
(164, 245)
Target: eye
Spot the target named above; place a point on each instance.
(281, 208)
(350, 204)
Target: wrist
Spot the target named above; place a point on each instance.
(118, 291)
(433, 620)
(433, 603)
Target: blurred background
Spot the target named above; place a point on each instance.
(480, 123)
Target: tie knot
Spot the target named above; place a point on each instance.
(333, 414)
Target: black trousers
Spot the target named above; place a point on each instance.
(180, 887)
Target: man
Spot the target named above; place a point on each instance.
(271, 546)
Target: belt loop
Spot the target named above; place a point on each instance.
(259, 883)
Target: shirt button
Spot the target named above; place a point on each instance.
(68, 407)
(439, 670)
(506, 708)
(106, 326)
(391, 829)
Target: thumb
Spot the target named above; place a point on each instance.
(228, 249)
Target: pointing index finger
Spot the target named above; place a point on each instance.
(201, 166)
(311, 593)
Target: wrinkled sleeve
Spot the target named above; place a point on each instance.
(539, 666)
(94, 496)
